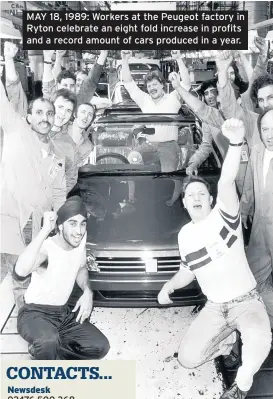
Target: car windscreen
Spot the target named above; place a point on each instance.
(143, 144)
(134, 209)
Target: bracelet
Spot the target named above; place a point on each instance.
(236, 145)
(47, 62)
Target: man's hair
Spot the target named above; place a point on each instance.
(67, 95)
(154, 75)
(81, 72)
(259, 83)
(43, 100)
(90, 105)
(259, 120)
(243, 86)
(65, 74)
(194, 179)
(206, 84)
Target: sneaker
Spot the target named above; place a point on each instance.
(31, 351)
(234, 392)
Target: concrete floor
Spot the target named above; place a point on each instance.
(152, 337)
(149, 336)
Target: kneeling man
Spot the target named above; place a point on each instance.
(212, 251)
(46, 321)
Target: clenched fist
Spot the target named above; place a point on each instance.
(10, 50)
(50, 219)
(48, 54)
(176, 54)
(223, 60)
(126, 54)
(234, 130)
(174, 79)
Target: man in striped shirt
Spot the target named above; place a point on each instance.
(212, 251)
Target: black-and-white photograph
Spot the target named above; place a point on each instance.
(137, 191)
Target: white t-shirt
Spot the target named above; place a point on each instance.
(53, 285)
(268, 155)
(213, 250)
(168, 104)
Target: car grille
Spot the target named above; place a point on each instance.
(165, 265)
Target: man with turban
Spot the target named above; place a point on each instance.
(46, 321)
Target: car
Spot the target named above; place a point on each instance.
(132, 246)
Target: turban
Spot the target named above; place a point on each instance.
(72, 207)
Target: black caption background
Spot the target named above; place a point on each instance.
(48, 23)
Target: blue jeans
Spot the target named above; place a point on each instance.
(209, 335)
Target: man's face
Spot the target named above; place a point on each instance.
(267, 130)
(84, 116)
(197, 201)
(231, 73)
(68, 84)
(42, 117)
(265, 97)
(73, 230)
(64, 110)
(210, 95)
(155, 89)
(79, 80)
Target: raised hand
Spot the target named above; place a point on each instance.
(60, 53)
(234, 130)
(10, 50)
(174, 79)
(49, 223)
(223, 60)
(175, 54)
(48, 54)
(261, 44)
(126, 54)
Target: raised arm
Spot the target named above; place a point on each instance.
(193, 102)
(48, 78)
(89, 85)
(58, 63)
(183, 70)
(33, 257)
(130, 85)
(10, 120)
(234, 131)
(16, 94)
(260, 69)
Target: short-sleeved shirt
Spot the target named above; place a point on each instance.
(168, 104)
(213, 250)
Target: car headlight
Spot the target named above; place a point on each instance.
(92, 265)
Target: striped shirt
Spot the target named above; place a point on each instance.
(213, 250)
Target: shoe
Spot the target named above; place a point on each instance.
(234, 392)
(31, 351)
(233, 360)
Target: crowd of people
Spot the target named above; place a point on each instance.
(46, 141)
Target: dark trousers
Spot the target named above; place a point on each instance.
(55, 334)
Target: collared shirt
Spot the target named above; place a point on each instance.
(268, 155)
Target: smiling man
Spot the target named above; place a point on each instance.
(212, 251)
(65, 103)
(46, 322)
(257, 204)
(79, 132)
(157, 101)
